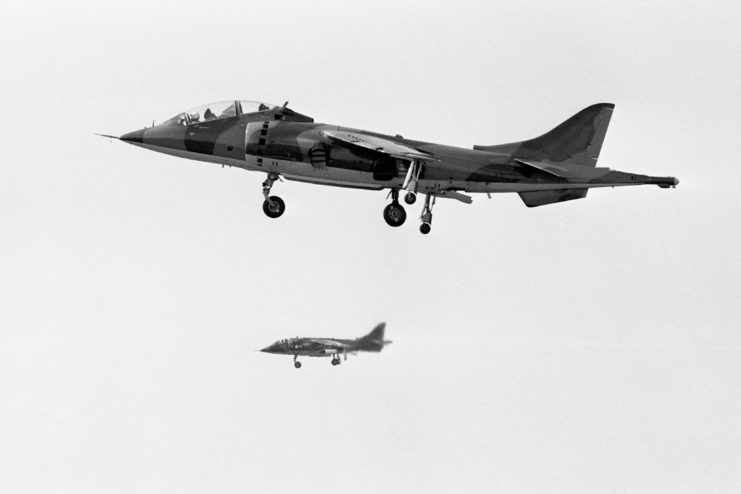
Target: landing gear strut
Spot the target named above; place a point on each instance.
(273, 206)
(296, 363)
(394, 213)
(426, 217)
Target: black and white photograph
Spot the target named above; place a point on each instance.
(370, 247)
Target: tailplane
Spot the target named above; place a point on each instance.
(576, 141)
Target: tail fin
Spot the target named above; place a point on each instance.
(577, 141)
(373, 341)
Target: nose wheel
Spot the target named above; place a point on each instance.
(273, 206)
(394, 213)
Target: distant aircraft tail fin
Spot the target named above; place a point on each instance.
(373, 341)
(577, 141)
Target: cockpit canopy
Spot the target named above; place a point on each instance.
(218, 111)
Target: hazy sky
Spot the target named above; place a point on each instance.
(589, 346)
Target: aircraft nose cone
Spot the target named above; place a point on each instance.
(136, 136)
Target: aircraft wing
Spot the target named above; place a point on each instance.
(377, 144)
(326, 342)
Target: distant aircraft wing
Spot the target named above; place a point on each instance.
(329, 343)
(377, 144)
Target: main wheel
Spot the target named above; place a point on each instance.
(394, 214)
(297, 364)
(275, 207)
(425, 228)
(410, 198)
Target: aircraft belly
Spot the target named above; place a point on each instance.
(327, 175)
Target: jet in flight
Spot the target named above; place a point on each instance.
(329, 347)
(560, 165)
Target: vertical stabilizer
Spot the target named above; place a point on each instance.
(576, 141)
(373, 341)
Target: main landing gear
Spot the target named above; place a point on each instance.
(335, 360)
(273, 206)
(296, 363)
(426, 217)
(394, 213)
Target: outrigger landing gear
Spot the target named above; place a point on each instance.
(394, 213)
(273, 206)
(296, 363)
(426, 217)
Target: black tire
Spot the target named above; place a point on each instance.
(279, 207)
(425, 228)
(297, 364)
(410, 198)
(394, 214)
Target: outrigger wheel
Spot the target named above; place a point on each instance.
(274, 206)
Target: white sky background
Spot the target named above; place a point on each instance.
(590, 346)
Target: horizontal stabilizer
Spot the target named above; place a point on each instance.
(543, 197)
(565, 170)
(543, 167)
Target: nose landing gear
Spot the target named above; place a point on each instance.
(273, 206)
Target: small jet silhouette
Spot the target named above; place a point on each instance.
(329, 347)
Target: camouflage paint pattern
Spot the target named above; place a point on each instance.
(557, 166)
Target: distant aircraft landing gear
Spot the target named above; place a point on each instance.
(273, 205)
(426, 217)
(394, 213)
(296, 363)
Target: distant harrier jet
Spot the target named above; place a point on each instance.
(329, 347)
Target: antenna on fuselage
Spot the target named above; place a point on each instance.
(284, 105)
